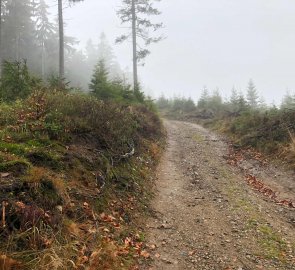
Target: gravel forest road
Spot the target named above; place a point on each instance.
(206, 215)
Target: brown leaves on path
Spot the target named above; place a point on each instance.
(237, 156)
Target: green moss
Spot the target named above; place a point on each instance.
(252, 223)
(47, 196)
(39, 142)
(271, 243)
(198, 138)
(44, 159)
(2, 158)
(19, 137)
(17, 149)
(17, 167)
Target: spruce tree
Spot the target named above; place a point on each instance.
(16, 81)
(242, 102)
(136, 14)
(99, 85)
(252, 95)
(163, 102)
(105, 52)
(45, 31)
(234, 98)
(288, 101)
(216, 99)
(204, 99)
(189, 105)
(234, 101)
(18, 31)
(91, 53)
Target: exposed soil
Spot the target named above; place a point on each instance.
(206, 216)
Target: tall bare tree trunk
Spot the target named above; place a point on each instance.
(134, 42)
(43, 61)
(61, 41)
(17, 50)
(1, 37)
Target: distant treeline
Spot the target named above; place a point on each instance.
(212, 103)
(246, 118)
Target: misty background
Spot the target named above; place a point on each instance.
(214, 43)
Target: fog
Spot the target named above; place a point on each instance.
(217, 43)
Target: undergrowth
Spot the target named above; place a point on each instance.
(269, 130)
(75, 173)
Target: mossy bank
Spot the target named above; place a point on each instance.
(75, 177)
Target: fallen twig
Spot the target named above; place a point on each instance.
(4, 204)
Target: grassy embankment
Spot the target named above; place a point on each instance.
(269, 132)
(72, 190)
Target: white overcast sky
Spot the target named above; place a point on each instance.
(217, 43)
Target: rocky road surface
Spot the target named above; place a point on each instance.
(206, 216)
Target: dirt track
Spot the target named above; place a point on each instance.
(207, 217)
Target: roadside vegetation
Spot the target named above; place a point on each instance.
(75, 172)
(78, 141)
(245, 118)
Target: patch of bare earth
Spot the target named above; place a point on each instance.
(206, 216)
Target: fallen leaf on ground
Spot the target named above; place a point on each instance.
(3, 175)
(106, 230)
(191, 253)
(145, 254)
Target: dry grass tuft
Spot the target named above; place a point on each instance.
(7, 263)
(36, 175)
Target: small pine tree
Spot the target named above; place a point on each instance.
(215, 101)
(234, 98)
(18, 30)
(237, 102)
(252, 95)
(100, 86)
(16, 81)
(163, 102)
(189, 105)
(288, 101)
(242, 102)
(262, 104)
(202, 103)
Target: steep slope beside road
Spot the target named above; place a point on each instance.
(206, 216)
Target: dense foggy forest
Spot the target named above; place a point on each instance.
(30, 35)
